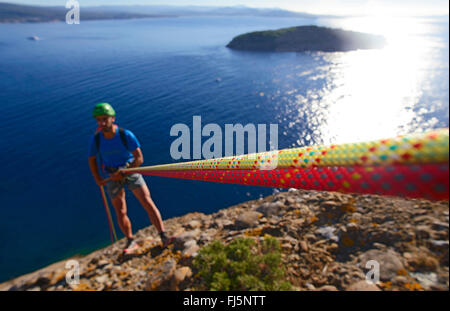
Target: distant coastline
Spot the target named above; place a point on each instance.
(306, 38)
(15, 13)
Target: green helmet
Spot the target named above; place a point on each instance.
(103, 109)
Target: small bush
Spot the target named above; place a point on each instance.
(242, 265)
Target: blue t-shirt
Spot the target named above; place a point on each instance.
(112, 151)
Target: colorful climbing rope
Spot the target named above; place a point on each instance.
(112, 232)
(413, 166)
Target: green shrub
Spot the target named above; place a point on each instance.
(242, 265)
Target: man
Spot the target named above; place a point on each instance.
(118, 149)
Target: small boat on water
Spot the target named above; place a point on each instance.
(34, 38)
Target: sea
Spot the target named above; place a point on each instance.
(159, 72)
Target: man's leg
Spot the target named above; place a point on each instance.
(143, 195)
(120, 206)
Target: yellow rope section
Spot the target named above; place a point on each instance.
(429, 147)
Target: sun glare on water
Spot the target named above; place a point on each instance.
(370, 93)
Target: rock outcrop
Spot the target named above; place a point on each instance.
(330, 241)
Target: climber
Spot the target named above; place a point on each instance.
(117, 149)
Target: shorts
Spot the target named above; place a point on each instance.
(132, 181)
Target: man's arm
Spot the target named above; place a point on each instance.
(138, 158)
(94, 170)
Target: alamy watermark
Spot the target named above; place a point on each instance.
(213, 146)
(73, 15)
(73, 275)
(373, 275)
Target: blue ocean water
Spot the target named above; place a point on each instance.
(163, 71)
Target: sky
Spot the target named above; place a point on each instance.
(335, 7)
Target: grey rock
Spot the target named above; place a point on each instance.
(328, 288)
(247, 220)
(94, 261)
(328, 232)
(108, 267)
(180, 240)
(190, 249)
(190, 243)
(422, 232)
(363, 286)
(294, 257)
(43, 281)
(424, 218)
(304, 246)
(400, 280)
(310, 237)
(273, 231)
(270, 209)
(102, 279)
(290, 240)
(379, 245)
(160, 278)
(290, 201)
(440, 245)
(222, 223)
(426, 280)
(333, 247)
(102, 263)
(356, 216)
(194, 224)
(287, 247)
(407, 255)
(438, 225)
(310, 286)
(329, 204)
(181, 274)
(205, 238)
(352, 227)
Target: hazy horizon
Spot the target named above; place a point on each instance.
(343, 7)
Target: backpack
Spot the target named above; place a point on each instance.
(97, 144)
(122, 138)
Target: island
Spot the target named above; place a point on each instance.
(306, 38)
